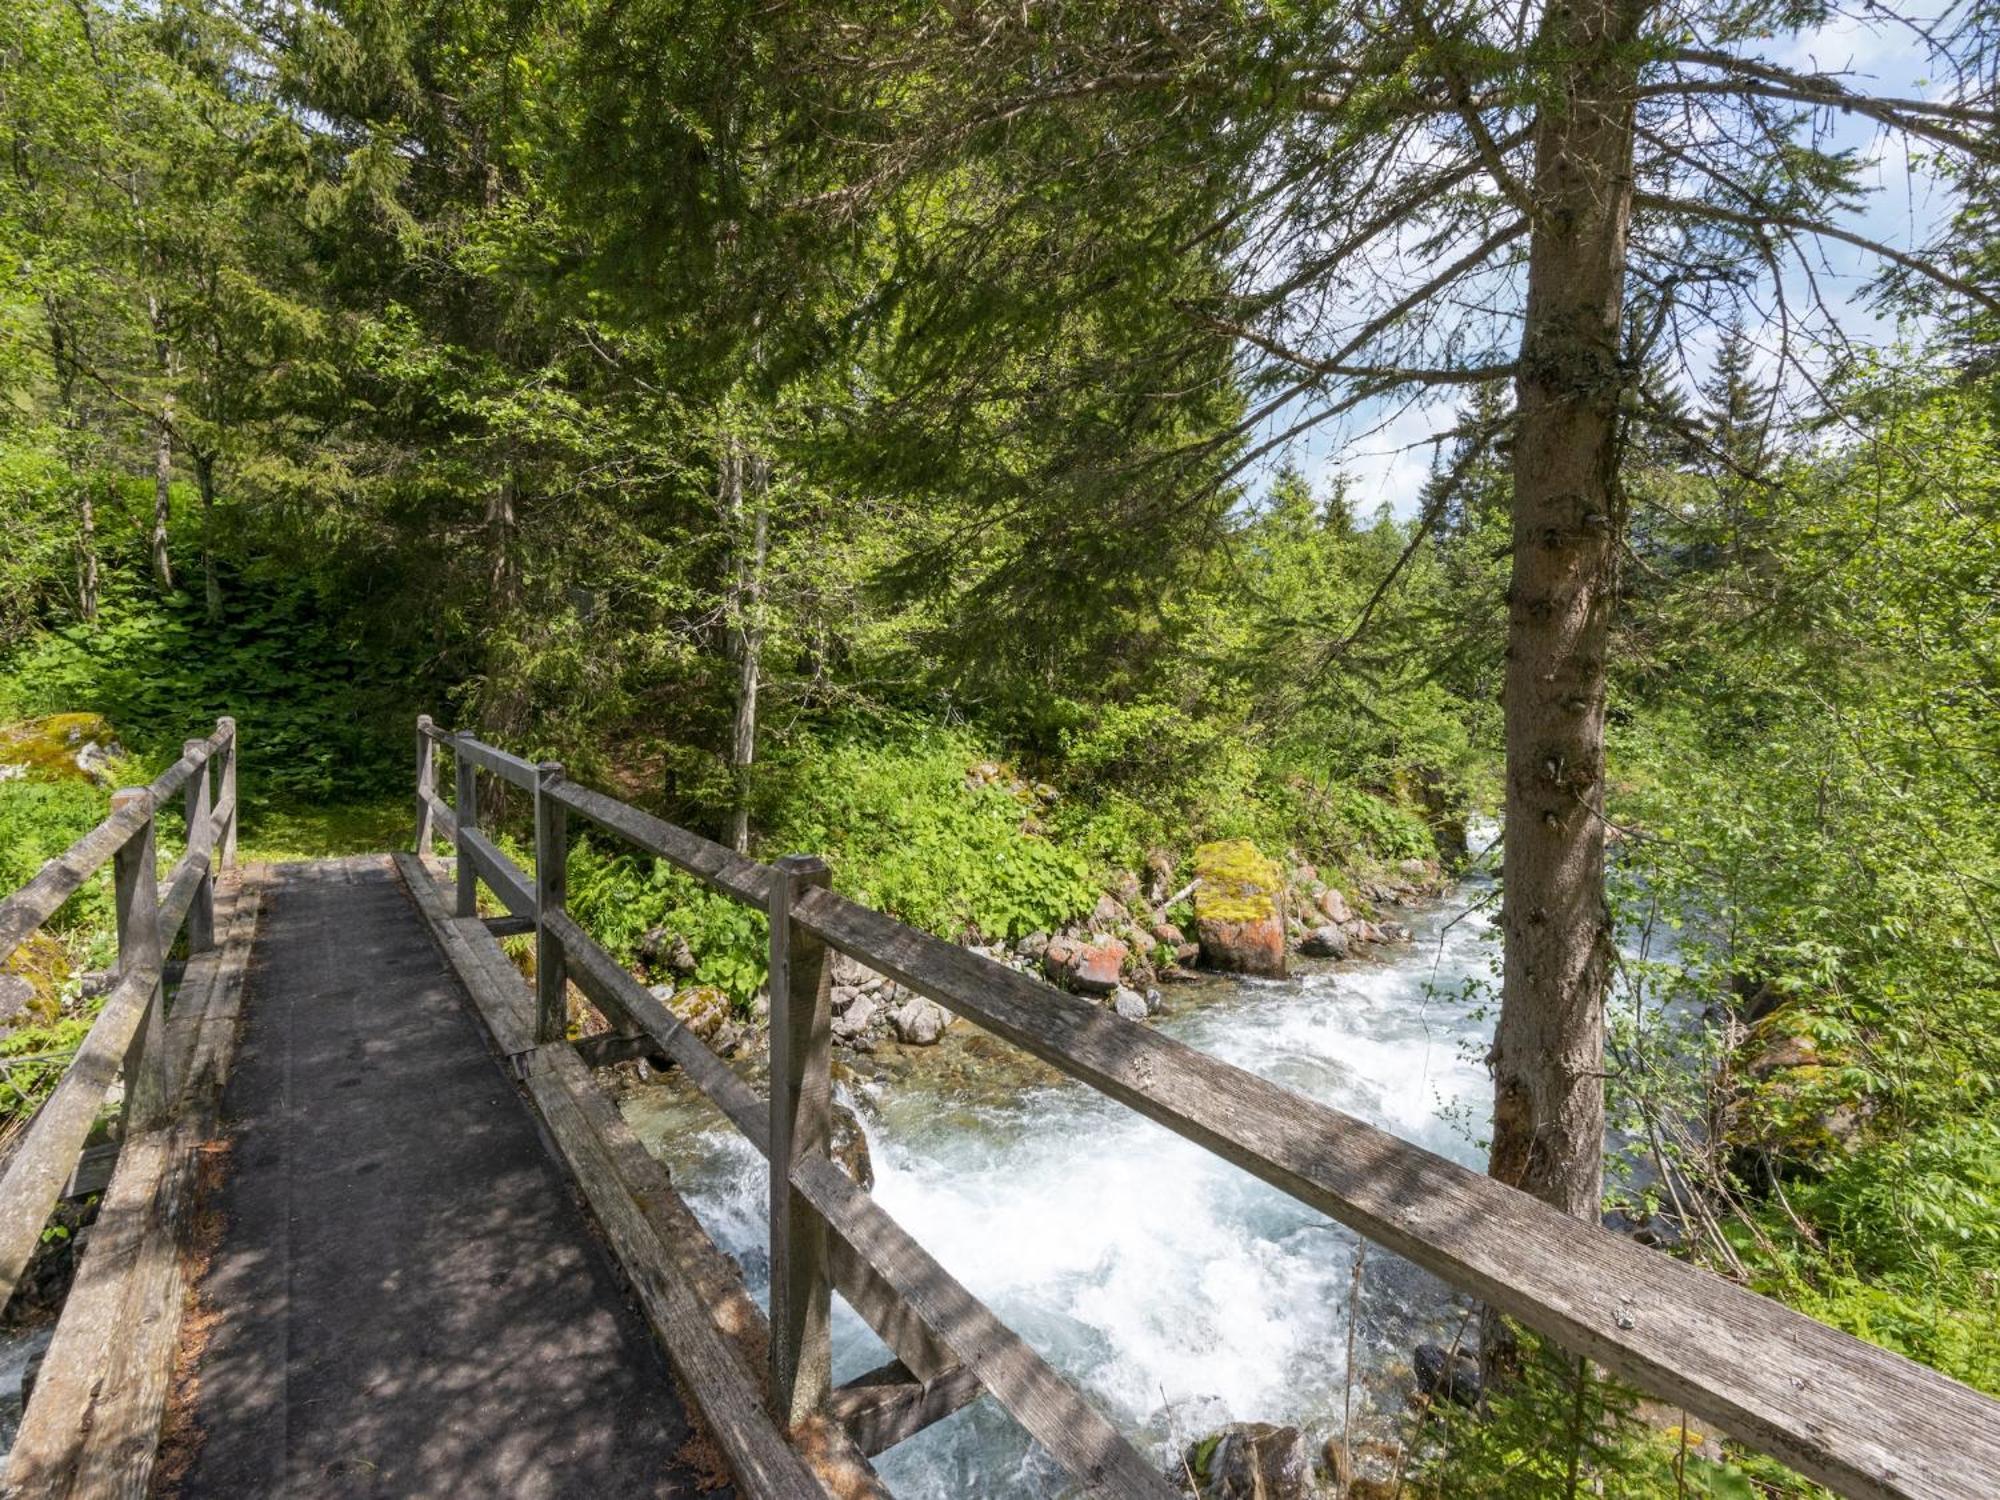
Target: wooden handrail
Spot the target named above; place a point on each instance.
(1862, 1420)
(127, 1033)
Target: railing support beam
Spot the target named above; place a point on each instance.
(225, 792)
(466, 811)
(201, 840)
(801, 1126)
(551, 892)
(427, 776)
(136, 893)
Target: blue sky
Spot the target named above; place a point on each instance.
(1388, 448)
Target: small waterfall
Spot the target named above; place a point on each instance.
(1176, 1290)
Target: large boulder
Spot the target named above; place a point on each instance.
(920, 1022)
(1252, 1461)
(1090, 966)
(1239, 909)
(62, 747)
(703, 1009)
(32, 978)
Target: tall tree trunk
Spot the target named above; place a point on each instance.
(86, 562)
(163, 478)
(1548, 1052)
(204, 474)
(72, 451)
(745, 473)
(163, 448)
(499, 540)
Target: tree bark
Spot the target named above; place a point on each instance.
(1548, 1051)
(163, 478)
(72, 423)
(163, 448)
(499, 541)
(750, 529)
(86, 563)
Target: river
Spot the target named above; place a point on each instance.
(1177, 1291)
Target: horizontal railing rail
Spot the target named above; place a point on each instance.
(1853, 1416)
(127, 1036)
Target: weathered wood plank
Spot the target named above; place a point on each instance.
(711, 1330)
(724, 869)
(444, 822)
(504, 1007)
(731, 1404)
(93, 1425)
(889, 1405)
(1072, 1430)
(426, 785)
(1857, 1418)
(62, 877)
(200, 840)
(801, 1035)
(465, 808)
(225, 792)
(502, 876)
(632, 1007)
(142, 949)
(551, 891)
(509, 768)
(180, 892)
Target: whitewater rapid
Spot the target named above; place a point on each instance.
(1177, 1291)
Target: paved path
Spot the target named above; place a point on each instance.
(412, 1303)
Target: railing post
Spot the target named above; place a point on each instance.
(801, 1126)
(135, 876)
(225, 792)
(551, 891)
(466, 814)
(201, 839)
(427, 777)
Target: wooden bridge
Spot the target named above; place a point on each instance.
(403, 1293)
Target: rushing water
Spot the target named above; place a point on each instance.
(1175, 1289)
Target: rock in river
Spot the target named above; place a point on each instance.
(1239, 909)
(920, 1022)
(1252, 1461)
(1091, 967)
(1326, 941)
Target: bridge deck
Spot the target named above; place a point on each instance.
(409, 1300)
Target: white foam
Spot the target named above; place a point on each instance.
(1178, 1291)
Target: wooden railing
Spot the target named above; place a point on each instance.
(128, 1035)
(1855, 1417)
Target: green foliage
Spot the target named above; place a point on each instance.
(39, 819)
(323, 714)
(1559, 1427)
(905, 833)
(620, 897)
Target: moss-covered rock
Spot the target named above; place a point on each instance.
(1239, 908)
(62, 747)
(31, 982)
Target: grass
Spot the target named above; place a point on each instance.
(277, 835)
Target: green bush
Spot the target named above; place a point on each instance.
(906, 834)
(322, 719)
